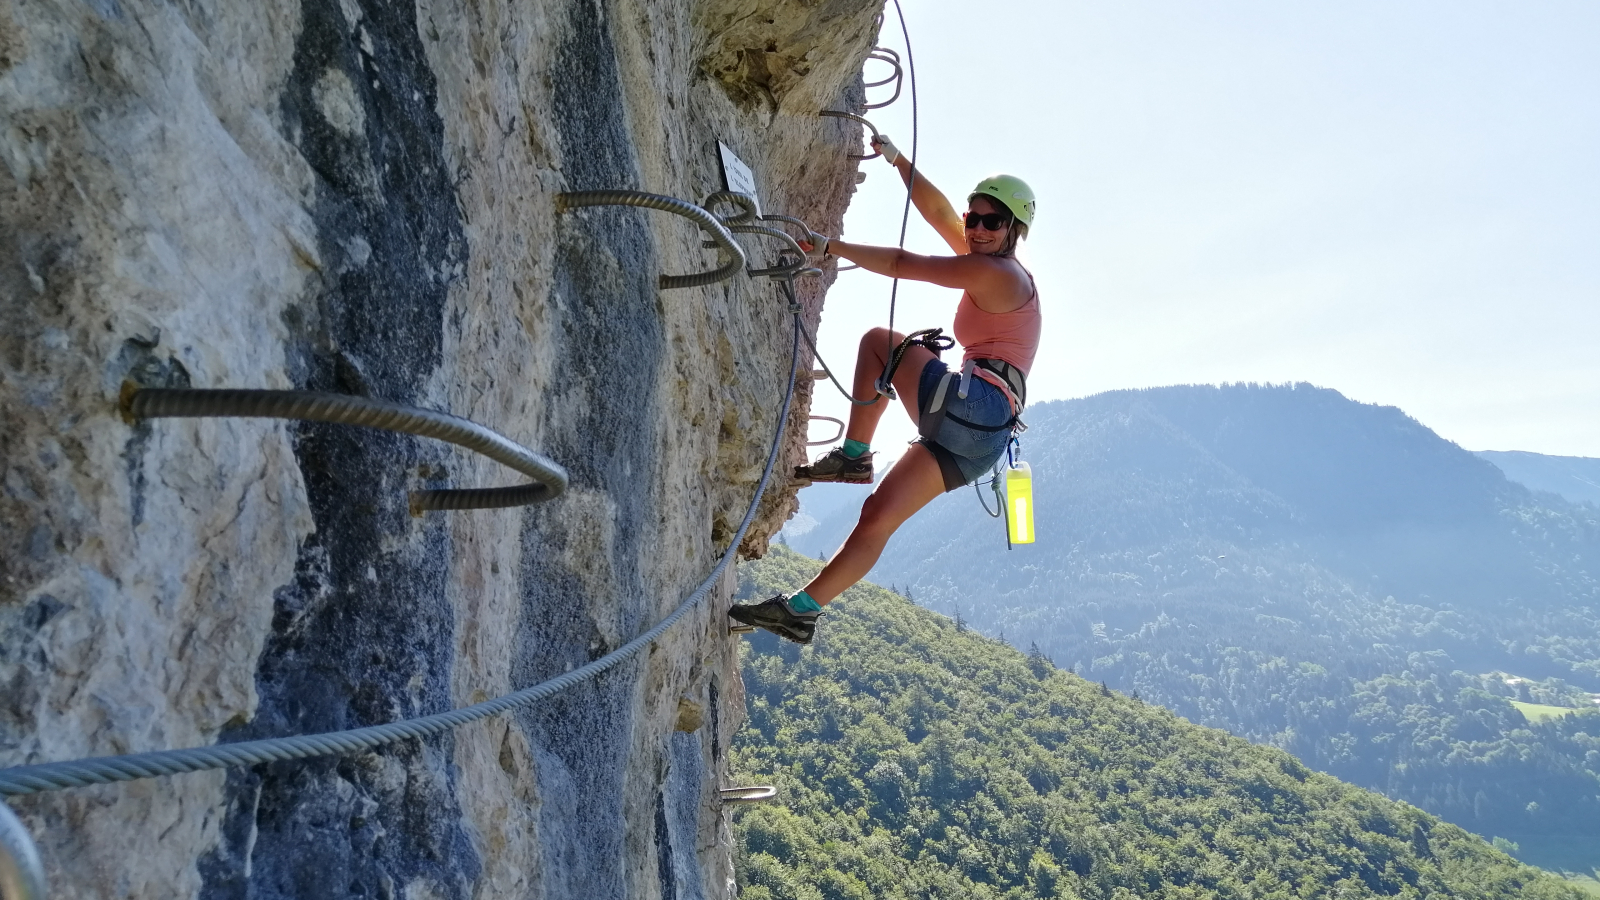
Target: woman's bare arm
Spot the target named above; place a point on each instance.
(933, 205)
(995, 284)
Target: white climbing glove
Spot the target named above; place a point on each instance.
(882, 144)
(819, 244)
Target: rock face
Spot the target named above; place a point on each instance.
(358, 196)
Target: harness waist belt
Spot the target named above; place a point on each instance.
(1011, 375)
(938, 409)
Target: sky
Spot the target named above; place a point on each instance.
(1400, 201)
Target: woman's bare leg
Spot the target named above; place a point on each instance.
(913, 482)
(871, 357)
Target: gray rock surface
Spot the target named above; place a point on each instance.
(358, 197)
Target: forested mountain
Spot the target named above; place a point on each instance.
(1577, 478)
(918, 759)
(1326, 576)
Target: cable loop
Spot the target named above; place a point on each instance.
(21, 872)
(788, 220)
(884, 54)
(550, 479)
(750, 208)
(782, 270)
(32, 779)
(838, 422)
(840, 114)
(708, 222)
(755, 793)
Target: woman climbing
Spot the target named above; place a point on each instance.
(965, 418)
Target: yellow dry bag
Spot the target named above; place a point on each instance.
(1019, 503)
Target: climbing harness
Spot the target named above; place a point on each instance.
(938, 410)
(550, 480)
(1013, 494)
(109, 769)
(21, 873)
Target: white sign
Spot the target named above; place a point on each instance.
(736, 176)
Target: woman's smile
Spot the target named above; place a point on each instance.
(980, 238)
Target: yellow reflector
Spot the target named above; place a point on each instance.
(1019, 503)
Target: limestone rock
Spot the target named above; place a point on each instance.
(358, 197)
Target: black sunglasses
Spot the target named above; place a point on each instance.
(991, 221)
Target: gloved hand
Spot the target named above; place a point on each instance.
(882, 144)
(815, 244)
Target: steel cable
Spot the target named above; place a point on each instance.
(342, 409)
(708, 222)
(20, 780)
(884, 385)
(783, 270)
(788, 289)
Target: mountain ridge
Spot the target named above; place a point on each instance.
(1573, 478)
(1326, 576)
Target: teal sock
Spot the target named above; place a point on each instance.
(854, 449)
(801, 601)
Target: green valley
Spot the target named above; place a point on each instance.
(1324, 576)
(919, 759)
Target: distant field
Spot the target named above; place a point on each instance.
(1574, 857)
(1538, 712)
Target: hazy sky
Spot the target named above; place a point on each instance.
(1400, 201)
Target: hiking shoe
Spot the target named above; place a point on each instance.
(838, 467)
(776, 616)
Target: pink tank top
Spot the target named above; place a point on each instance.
(1011, 336)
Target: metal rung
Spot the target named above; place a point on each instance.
(710, 223)
(21, 873)
(741, 629)
(549, 479)
(838, 422)
(756, 793)
(884, 54)
(839, 114)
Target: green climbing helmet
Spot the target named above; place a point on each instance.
(1012, 192)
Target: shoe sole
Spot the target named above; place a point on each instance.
(787, 632)
(838, 479)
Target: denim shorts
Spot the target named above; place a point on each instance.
(965, 454)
